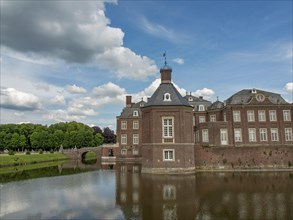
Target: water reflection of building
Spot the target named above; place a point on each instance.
(128, 189)
(244, 196)
(144, 196)
(203, 195)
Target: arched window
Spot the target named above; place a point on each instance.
(201, 108)
(135, 113)
(167, 97)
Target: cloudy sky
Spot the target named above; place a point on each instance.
(76, 60)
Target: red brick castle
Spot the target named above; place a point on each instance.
(169, 133)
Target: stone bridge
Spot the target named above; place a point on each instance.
(79, 154)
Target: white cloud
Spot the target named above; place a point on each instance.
(108, 90)
(205, 92)
(14, 99)
(49, 38)
(75, 89)
(61, 115)
(41, 86)
(127, 64)
(58, 100)
(163, 32)
(179, 61)
(289, 87)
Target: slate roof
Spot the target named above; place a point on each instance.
(197, 101)
(216, 105)
(245, 95)
(157, 98)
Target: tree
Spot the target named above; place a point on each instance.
(2, 140)
(97, 130)
(58, 138)
(15, 141)
(98, 139)
(109, 136)
(23, 142)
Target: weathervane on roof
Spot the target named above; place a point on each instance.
(165, 55)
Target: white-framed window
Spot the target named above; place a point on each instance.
(237, 135)
(250, 115)
(135, 139)
(212, 118)
(263, 136)
(135, 113)
(190, 99)
(202, 119)
(167, 97)
(135, 125)
(224, 136)
(169, 193)
(205, 135)
(123, 125)
(261, 115)
(168, 155)
(123, 138)
(135, 151)
(236, 116)
(123, 151)
(168, 127)
(251, 135)
(201, 108)
(288, 134)
(273, 115)
(274, 134)
(286, 115)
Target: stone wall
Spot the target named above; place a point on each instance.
(231, 158)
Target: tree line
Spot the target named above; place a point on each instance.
(21, 137)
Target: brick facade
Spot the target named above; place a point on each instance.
(251, 129)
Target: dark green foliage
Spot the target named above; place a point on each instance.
(109, 136)
(21, 137)
(11, 152)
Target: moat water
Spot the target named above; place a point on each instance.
(120, 191)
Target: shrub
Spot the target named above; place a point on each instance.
(224, 161)
(11, 152)
(27, 152)
(51, 151)
(41, 151)
(289, 164)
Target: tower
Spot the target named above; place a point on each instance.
(167, 142)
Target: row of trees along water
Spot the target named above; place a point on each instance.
(20, 137)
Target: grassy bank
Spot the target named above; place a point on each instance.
(90, 156)
(20, 168)
(20, 159)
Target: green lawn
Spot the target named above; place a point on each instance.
(90, 156)
(20, 159)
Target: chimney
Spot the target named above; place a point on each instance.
(166, 74)
(128, 100)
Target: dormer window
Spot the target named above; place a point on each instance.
(167, 97)
(135, 113)
(190, 99)
(253, 91)
(201, 108)
(141, 104)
